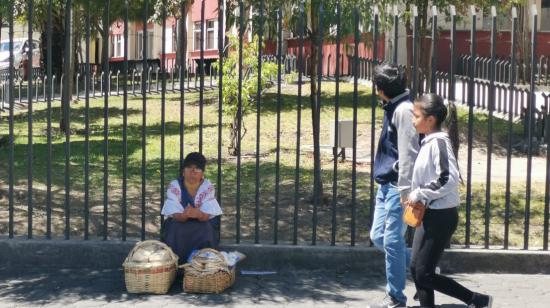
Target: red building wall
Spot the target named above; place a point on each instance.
(329, 52)
(210, 10)
(503, 46)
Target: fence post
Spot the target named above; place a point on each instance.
(470, 121)
(416, 27)
(531, 122)
(395, 33)
(433, 81)
(491, 106)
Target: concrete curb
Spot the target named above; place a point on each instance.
(111, 254)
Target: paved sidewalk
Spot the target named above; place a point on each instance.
(317, 288)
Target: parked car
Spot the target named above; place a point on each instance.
(20, 50)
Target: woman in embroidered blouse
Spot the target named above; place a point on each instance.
(191, 210)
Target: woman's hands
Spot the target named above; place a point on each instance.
(191, 212)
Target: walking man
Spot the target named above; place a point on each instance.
(393, 165)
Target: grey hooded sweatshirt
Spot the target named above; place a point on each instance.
(435, 176)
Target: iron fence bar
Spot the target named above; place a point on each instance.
(239, 123)
(354, 133)
(125, 126)
(530, 121)
(258, 140)
(470, 122)
(221, 14)
(201, 72)
(395, 33)
(547, 190)
(144, 79)
(30, 205)
(336, 118)
(373, 118)
(490, 105)
(278, 129)
(107, 81)
(316, 110)
(49, 122)
(67, 118)
(416, 27)
(11, 119)
(162, 109)
(298, 123)
(86, 123)
(183, 51)
(433, 82)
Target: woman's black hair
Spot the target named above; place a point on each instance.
(433, 105)
(391, 79)
(194, 159)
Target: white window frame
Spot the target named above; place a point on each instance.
(118, 46)
(139, 45)
(196, 32)
(150, 43)
(169, 40)
(211, 31)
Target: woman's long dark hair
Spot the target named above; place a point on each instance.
(433, 105)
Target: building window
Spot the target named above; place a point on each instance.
(211, 35)
(118, 46)
(139, 47)
(197, 36)
(545, 15)
(139, 43)
(168, 45)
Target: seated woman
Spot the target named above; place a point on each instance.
(191, 210)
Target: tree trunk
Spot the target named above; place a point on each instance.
(524, 49)
(233, 133)
(315, 106)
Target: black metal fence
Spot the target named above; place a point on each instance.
(110, 182)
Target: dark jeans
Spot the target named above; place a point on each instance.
(429, 242)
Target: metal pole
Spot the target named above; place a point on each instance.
(125, 125)
(49, 123)
(162, 109)
(298, 121)
(530, 121)
(239, 120)
(278, 129)
(201, 72)
(67, 120)
(433, 82)
(373, 118)
(395, 33)
(452, 79)
(87, 126)
(144, 78)
(470, 122)
(354, 142)
(416, 37)
(30, 155)
(11, 128)
(491, 105)
(258, 104)
(336, 119)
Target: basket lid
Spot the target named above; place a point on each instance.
(151, 251)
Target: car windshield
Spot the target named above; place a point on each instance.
(5, 46)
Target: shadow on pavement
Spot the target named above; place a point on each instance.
(38, 286)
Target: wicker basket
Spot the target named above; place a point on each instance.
(150, 268)
(206, 274)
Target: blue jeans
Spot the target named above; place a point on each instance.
(388, 234)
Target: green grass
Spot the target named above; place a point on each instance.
(268, 145)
